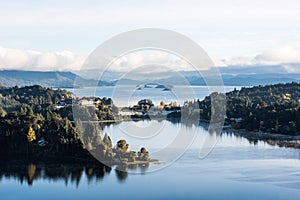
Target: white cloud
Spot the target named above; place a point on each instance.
(33, 60)
(287, 56)
(283, 55)
(239, 60)
(134, 60)
(68, 61)
(292, 69)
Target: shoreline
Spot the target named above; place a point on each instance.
(273, 139)
(90, 159)
(280, 140)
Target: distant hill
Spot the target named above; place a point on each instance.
(232, 76)
(229, 80)
(11, 78)
(249, 79)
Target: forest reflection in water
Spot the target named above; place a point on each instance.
(253, 137)
(27, 173)
(73, 173)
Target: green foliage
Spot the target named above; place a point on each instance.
(107, 140)
(30, 114)
(2, 112)
(143, 154)
(37, 97)
(122, 144)
(98, 140)
(272, 108)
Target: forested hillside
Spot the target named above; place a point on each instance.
(271, 108)
(38, 121)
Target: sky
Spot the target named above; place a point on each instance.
(59, 35)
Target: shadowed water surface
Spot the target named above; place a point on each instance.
(235, 169)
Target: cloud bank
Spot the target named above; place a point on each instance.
(283, 55)
(38, 61)
(287, 56)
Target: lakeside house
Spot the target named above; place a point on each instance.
(89, 102)
(83, 101)
(145, 107)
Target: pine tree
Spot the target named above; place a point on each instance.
(107, 140)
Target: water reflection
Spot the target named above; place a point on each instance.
(72, 173)
(171, 128)
(267, 138)
(30, 172)
(67, 172)
(252, 137)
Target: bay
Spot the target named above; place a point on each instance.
(235, 168)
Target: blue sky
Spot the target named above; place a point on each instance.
(231, 31)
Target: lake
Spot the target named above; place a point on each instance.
(235, 169)
(126, 95)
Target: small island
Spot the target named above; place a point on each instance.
(166, 87)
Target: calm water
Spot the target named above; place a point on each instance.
(235, 169)
(125, 95)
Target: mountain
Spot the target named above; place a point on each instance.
(229, 80)
(232, 76)
(259, 69)
(248, 79)
(54, 79)
(21, 78)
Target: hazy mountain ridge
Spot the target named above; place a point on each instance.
(10, 78)
(233, 76)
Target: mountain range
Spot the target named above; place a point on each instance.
(55, 79)
(232, 76)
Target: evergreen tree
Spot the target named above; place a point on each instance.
(107, 140)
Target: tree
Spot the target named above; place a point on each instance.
(107, 140)
(89, 146)
(2, 112)
(98, 140)
(89, 133)
(31, 134)
(122, 144)
(143, 154)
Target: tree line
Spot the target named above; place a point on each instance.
(33, 125)
(270, 108)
